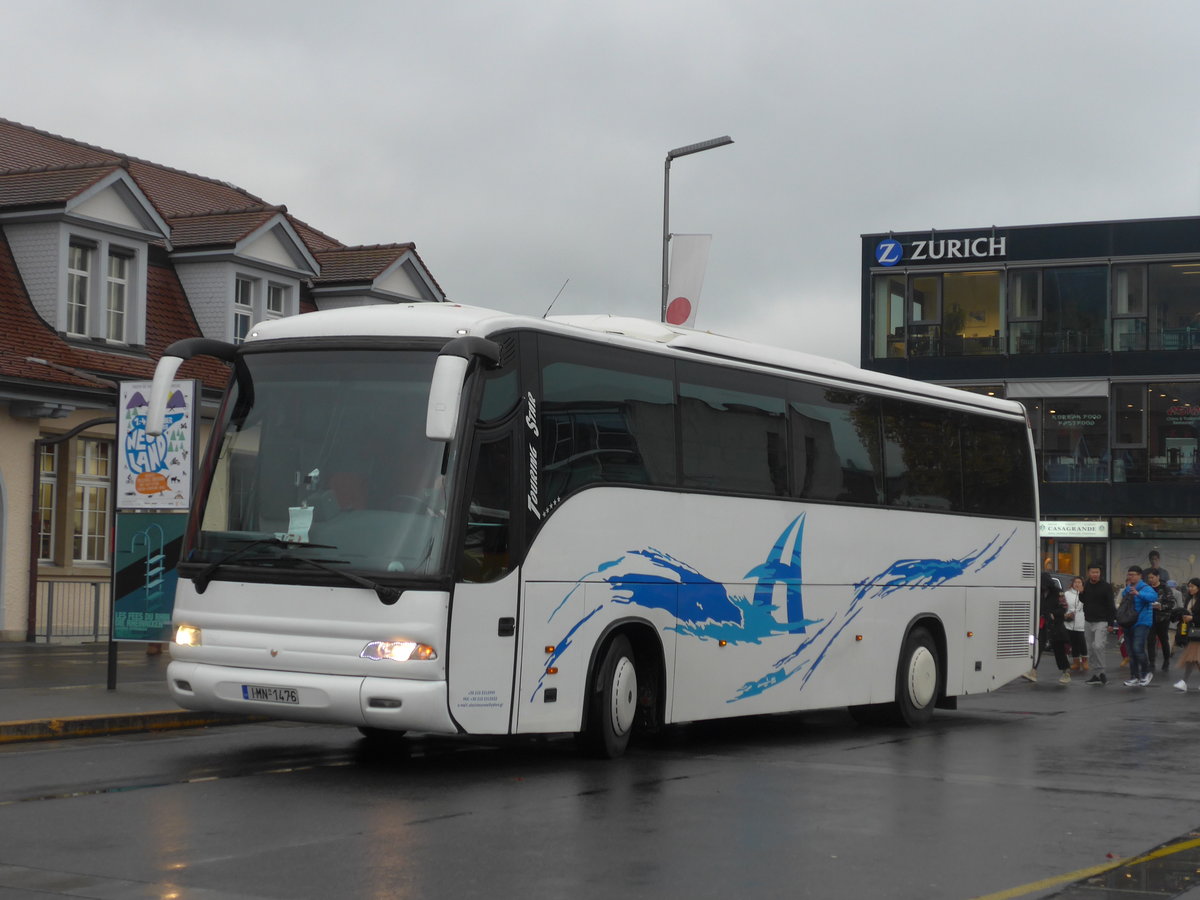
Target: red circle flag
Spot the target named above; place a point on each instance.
(679, 311)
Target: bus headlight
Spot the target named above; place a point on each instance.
(398, 650)
(187, 636)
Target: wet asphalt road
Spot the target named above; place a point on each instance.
(1026, 792)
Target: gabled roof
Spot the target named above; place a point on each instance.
(364, 265)
(25, 334)
(32, 189)
(39, 169)
(358, 264)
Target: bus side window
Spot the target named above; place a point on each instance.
(835, 444)
(485, 555)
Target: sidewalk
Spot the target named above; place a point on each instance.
(51, 691)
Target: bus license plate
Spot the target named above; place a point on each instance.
(270, 694)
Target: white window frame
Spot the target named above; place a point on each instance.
(47, 502)
(116, 295)
(245, 291)
(92, 522)
(277, 300)
(79, 286)
(116, 302)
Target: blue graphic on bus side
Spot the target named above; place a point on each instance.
(889, 252)
(706, 610)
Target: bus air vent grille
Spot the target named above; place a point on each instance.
(1028, 570)
(1012, 629)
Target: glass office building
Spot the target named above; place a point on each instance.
(1095, 327)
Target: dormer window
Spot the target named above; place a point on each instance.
(277, 296)
(255, 300)
(118, 294)
(79, 280)
(243, 307)
(104, 282)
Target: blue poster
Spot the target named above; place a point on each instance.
(144, 574)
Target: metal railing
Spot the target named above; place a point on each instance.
(72, 610)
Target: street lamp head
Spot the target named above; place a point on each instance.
(696, 148)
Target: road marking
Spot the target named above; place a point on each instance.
(1080, 874)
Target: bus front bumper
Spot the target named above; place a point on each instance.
(389, 703)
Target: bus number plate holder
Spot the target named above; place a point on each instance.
(270, 694)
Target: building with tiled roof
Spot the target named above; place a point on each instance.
(105, 260)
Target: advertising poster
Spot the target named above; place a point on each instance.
(155, 472)
(144, 575)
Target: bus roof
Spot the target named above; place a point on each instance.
(449, 320)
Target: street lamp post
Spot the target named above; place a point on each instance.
(672, 154)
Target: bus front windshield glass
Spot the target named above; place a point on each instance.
(325, 458)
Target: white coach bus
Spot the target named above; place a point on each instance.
(444, 519)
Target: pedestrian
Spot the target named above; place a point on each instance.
(1144, 598)
(1160, 630)
(1076, 626)
(1156, 563)
(1052, 630)
(1100, 617)
(1191, 649)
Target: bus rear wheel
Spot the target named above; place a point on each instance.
(612, 706)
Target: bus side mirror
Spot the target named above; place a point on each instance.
(160, 389)
(445, 398)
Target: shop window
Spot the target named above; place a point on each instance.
(1174, 291)
(1075, 439)
(889, 317)
(1075, 309)
(1129, 307)
(1173, 431)
(924, 315)
(1024, 311)
(1129, 432)
(972, 323)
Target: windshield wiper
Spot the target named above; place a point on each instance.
(387, 595)
(205, 575)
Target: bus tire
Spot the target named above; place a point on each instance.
(612, 706)
(918, 680)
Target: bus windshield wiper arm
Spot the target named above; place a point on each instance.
(205, 575)
(387, 595)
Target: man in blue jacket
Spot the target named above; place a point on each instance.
(1145, 600)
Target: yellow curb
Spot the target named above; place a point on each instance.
(123, 723)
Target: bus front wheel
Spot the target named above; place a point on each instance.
(918, 677)
(613, 702)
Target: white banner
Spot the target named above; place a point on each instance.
(689, 259)
(155, 472)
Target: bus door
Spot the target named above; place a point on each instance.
(483, 611)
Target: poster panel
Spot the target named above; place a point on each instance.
(144, 574)
(155, 472)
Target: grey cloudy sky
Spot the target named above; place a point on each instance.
(521, 143)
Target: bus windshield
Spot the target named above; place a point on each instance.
(325, 452)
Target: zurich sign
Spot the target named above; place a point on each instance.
(888, 252)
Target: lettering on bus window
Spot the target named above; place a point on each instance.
(835, 444)
(602, 424)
